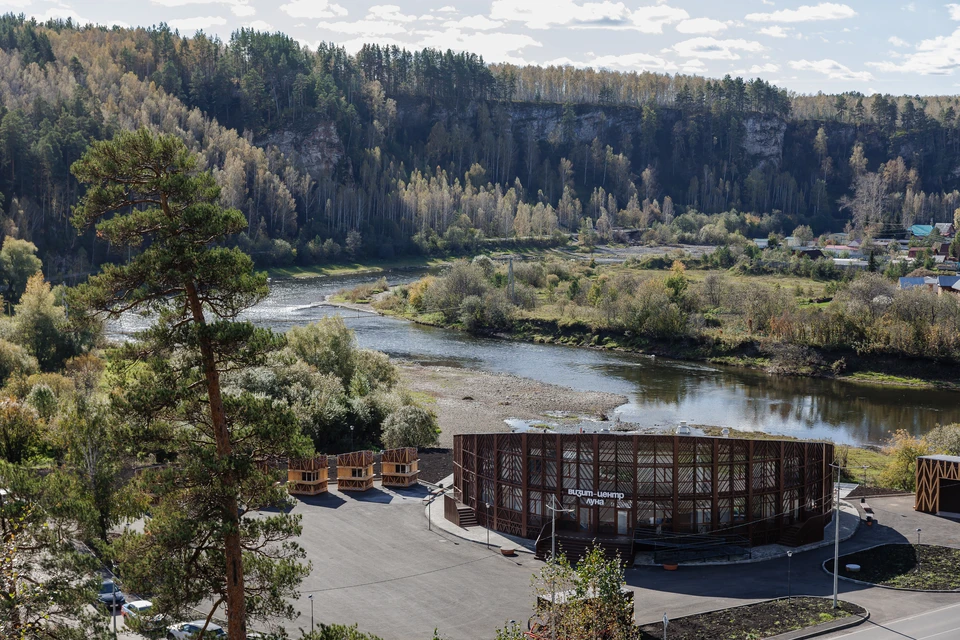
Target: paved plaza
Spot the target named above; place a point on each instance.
(376, 563)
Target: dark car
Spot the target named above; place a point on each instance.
(110, 594)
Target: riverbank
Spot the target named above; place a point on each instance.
(356, 268)
(847, 366)
(471, 401)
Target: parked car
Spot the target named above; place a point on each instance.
(190, 630)
(110, 594)
(139, 615)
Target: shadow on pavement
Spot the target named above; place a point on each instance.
(326, 500)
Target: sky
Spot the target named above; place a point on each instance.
(896, 47)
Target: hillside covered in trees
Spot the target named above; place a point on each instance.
(331, 155)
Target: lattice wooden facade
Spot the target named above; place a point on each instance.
(307, 476)
(616, 483)
(355, 471)
(930, 471)
(399, 467)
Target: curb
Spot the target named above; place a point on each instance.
(826, 627)
(881, 586)
(517, 548)
(798, 634)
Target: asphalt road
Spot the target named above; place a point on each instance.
(942, 624)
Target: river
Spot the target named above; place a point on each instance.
(661, 392)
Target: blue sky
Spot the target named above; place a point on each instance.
(894, 47)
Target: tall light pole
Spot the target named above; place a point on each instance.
(836, 537)
(789, 560)
(487, 505)
(310, 598)
(553, 557)
(351, 436)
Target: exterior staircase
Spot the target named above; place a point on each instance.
(466, 517)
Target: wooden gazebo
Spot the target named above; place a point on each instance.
(355, 471)
(307, 476)
(399, 467)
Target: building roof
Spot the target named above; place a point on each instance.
(945, 228)
(949, 282)
(943, 458)
(909, 283)
(921, 230)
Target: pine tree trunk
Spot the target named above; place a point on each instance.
(236, 603)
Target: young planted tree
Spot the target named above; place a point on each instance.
(145, 193)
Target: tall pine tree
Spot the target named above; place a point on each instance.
(145, 192)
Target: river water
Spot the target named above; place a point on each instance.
(661, 392)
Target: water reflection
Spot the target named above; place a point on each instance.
(661, 392)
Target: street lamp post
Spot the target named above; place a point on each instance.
(918, 537)
(310, 598)
(351, 436)
(836, 538)
(113, 608)
(553, 556)
(789, 561)
(487, 504)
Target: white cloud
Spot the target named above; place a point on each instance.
(898, 42)
(237, 7)
(776, 31)
(63, 12)
(805, 13)
(537, 14)
(832, 69)
(910, 6)
(633, 62)
(701, 25)
(312, 9)
(354, 44)
(446, 9)
(382, 20)
(199, 22)
(478, 23)
(14, 4)
(260, 25)
(954, 10)
(494, 47)
(388, 12)
(714, 49)
(765, 68)
(652, 19)
(936, 56)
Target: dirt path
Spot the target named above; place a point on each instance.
(469, 401)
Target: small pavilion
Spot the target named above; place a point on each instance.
(399, 467)
(307, 476)
(355, 471)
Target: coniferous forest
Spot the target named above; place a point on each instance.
(388, 152)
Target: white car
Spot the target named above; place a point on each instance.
(190, 630)
(140, 614)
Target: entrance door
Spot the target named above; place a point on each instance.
(622, 519)
(587, 518)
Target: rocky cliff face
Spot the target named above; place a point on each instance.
(763, 139)
(316, 150)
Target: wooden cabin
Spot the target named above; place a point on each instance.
(399, 467)
(307, 476)
(355, 471)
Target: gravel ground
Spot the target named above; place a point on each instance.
(469, 401)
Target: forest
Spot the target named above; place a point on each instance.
(332, 156)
